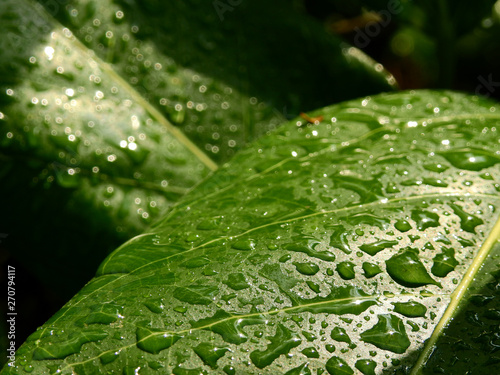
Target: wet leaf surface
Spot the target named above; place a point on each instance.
(324, 188)
(111, 111)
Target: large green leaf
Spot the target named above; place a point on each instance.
(334, 246)
(88, 112)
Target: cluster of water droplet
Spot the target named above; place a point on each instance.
(317, 256)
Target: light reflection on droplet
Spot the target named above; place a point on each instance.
(49, 51)
(111, 158)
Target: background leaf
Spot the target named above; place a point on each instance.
(290, 257)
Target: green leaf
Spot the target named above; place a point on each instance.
(328, 187)
(94, 94)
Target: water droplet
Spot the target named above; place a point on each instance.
(375, 247)
(281, 344)
(410, 309)
(196, 294)
(371, 269)
(309, 249)
(346, 270)
(366, 366)
(180, 309)
(414, 326)
(339, 334)
(388, 333)
(468, 222)
(402, 226)
(195, 262)
(337, 366)
(306, 268)
(338, 239)
(245, 245)
(391, 188)
(155, 305)
(425, 219)
(285, 258)
(210, 353)
(229, 370)
(310, 352)
(303, 369)
(236, 281)
(436, 167)
(444, 262)
(209, 224)
(471, 159)
(109, 357)
(368, 219)
(407, 270)
(154, 340)
(330, 348)
(309, 336)
(314, 287)
(209, 272)
(229, 326)
(155, 365)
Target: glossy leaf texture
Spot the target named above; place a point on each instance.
(224, 72)
(334, 247)
(90, 103)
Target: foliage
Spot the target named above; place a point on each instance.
(362, 237)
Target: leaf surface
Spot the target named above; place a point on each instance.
(93, 95)
(275, 224)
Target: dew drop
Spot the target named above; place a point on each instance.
(281, 344)
(340, 334)
(375, 247)
(303, 369)
(366, 366)
(306, 268)
(346, 270)
(210, 353)
(237, 281)
(154, 340)
(371, 269)
(245, 245)
(468, 222)
(444, 262)
(337, 366)
(402, 226)
(410, 309)
(471, 159)
(310, 352)
(425, 219)
(407, 270)
(388, 333)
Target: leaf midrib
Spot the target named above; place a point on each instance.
(458, 295)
